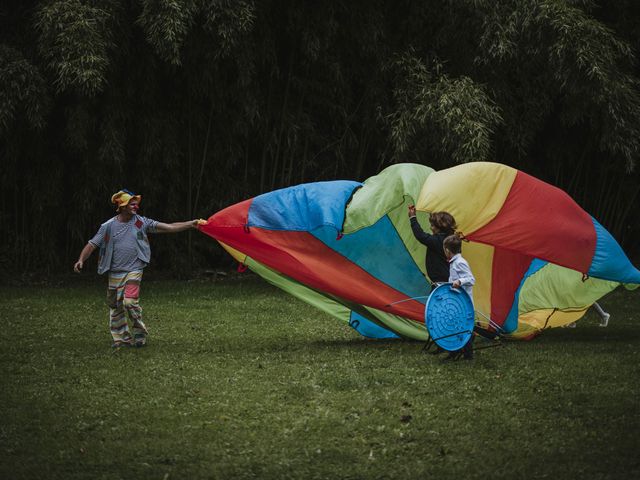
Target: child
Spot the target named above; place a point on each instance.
(460, 276)
(604, 317)
(442, 225)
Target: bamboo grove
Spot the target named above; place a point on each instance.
(198, 104)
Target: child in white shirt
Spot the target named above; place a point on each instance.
(460, 276)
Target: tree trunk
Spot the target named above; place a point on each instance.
(283, 113)
(265, 140)
(205, 150)
(189, 182)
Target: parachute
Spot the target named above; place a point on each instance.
(347, 248)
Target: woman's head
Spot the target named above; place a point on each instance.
(442, 222)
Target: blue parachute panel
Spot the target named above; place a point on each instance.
(368, 329)
(303, 207)
(391, 263)
(609, 261)
(511, 323)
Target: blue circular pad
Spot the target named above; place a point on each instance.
(449, 317)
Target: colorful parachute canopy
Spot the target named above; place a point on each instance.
(540, 261)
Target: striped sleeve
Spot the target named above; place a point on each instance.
(150, 226)
(98, 238)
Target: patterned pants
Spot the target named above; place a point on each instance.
(122, 296)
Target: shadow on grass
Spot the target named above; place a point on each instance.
(361, 343)
(270, 345)
(587, 335)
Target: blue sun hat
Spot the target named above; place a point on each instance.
(449, 317)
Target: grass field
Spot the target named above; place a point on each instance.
(242, 381)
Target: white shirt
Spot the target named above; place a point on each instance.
(459, 269)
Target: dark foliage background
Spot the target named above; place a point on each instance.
(198, 104)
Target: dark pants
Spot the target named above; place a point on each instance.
(467, 350)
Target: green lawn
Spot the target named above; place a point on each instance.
(242, 381)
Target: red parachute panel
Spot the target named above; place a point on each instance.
(533, 206)
(303, 257)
